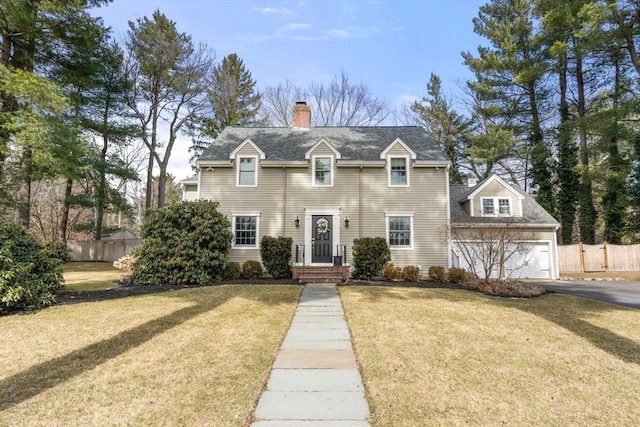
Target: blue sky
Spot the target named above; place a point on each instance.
(391, 46)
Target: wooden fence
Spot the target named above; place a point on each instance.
(100, 250)
(604, 257)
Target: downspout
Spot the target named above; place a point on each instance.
(448, 225)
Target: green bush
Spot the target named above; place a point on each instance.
(184, 243)
(370, 254)
(276, 255)
(391, 272)
(411, 273)
(58, 250)
(251, 269)
(437, 273)
(458, 275)
(30, 274)
(232, 271)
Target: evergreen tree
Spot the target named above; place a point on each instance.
(233, 97)
(442, 123)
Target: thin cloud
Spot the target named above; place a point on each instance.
(273, 11)
(295, 27)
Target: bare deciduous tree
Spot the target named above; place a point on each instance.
(338, 103)
(492, 247)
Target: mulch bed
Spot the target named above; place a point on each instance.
(123, 289)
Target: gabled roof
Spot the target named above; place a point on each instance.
(353, 143)
(532, 212)
(483, 184)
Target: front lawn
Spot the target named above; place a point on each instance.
(188, 357)
(448, 357)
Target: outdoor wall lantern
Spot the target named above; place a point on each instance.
(297, 221)
(346, 222)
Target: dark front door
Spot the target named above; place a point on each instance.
(321, 234)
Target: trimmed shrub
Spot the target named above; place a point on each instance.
(276, 255)
(30, 274)
(370, 254)
(411, 273)
(185, 243)
(58, 250)
(437, 273)
(508, 289)
(391, 272)
(458, 275)
(232, 271)
(251, 269)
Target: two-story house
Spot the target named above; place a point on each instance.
(326, 186)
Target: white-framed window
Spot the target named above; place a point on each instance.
(398, 171)
(245, 230)
(247, 171)
(496, 206)
(504, 207)
(400, 231)
(487, 207)
(322, 171)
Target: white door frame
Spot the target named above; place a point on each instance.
(308, 228)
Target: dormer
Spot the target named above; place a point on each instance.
(246, 158)
(399, 157)
(494, 198)
(322, 156)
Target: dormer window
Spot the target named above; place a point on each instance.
(503, 206)
(323, 171)
(247, 173)
(398, 171)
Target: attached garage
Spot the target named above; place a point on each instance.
(530, 260)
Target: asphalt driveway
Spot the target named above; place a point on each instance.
(615, 292)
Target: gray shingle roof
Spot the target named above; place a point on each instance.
(532, 212)
(354, 143)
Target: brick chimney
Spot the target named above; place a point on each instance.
(301, 115)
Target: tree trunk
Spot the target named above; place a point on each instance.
(66, 205)
(587, 212)
(162, 183)
(24, 197)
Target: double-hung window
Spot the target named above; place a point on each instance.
(398, 171)
(323, 171)
(245, 231)
(400, 231)
(496, 206)
(247, 172)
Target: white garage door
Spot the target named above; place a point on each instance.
(536, 264)
(531, 264)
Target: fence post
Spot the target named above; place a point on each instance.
(581, 257)
(606, 257)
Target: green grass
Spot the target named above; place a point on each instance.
(90, 276)
(450, 357)
(189, 357)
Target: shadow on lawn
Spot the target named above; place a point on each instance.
(565, 311)
(41, 377)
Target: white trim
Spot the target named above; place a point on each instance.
(383, 155)
(255, 171)
(411, 237)
(313, 170)
(233, 154)
(491, 179)
(407, 167)
(321, 141)
(199, 184)
(496, 206)
(234, 215)
(448, 216)
(308, 229)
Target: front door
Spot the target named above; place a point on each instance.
(322, 240)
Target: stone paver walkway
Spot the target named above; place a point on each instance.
(315, 380)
